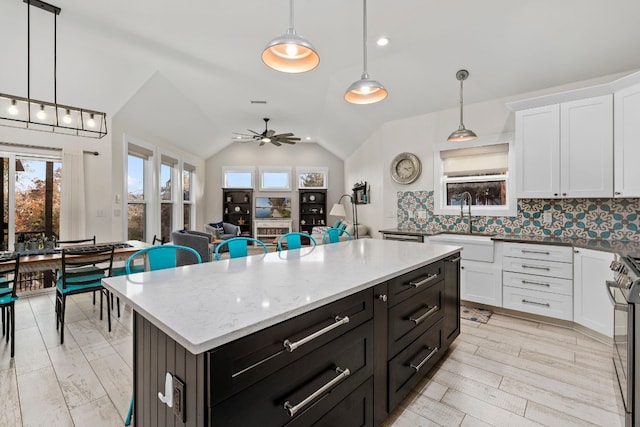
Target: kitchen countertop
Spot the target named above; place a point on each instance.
(622, 248)
(206, 305)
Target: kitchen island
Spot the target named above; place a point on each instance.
(291, 337)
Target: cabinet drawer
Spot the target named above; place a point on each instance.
(409, 284)
(541, 252)
(413, 363)
(543, 284)
(538, 267)
(536, 302)
(355, 410)
(410, 318)
(243, 362)
(309, 387)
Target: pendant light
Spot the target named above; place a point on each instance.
(289, 52)
(365, 90)
(462, 134)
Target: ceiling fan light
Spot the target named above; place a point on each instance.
(290, 53)
(365, 91)
(265, 139)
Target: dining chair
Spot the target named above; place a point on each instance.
(9, 267)
(332, 235)
(239, 247)
(293, 240)
(158, 258)
(83, 269)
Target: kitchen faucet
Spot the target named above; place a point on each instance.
(466, 196)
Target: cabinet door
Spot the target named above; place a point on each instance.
(481, 282)
(538, 152)
(586, 135)
(626, 145)
(591, 305)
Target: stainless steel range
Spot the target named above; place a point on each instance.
(625, 296)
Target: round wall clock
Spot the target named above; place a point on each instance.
(405, 168)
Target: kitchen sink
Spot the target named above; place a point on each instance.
(477, 246)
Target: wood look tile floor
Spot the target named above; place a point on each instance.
(506, 372)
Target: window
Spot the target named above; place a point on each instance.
(167, 167)
(139, 193)
(237, 176)
(480, 170)
(187, 182)
(275, 179)
(312, 177)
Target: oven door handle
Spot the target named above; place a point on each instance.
(616, 305)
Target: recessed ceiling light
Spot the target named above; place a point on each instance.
(382, 41)
(308, 138)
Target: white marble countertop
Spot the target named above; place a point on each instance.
(204, 306)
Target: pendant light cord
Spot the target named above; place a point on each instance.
(291, 14)
(28, 61)
(364, 37)
(461, 123)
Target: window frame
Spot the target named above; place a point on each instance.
(238, 169)
(312, 169)
(274, 169)
(147, 152)
(440, 181)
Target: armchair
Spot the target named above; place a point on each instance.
(222, 230)
(197, 240)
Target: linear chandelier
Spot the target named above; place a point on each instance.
(29, 113)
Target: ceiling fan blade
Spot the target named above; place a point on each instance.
(270, 133)
(254, 132)
(286, 141)
(281, 135)
(274, 142)
(290, 138)
(261, 144)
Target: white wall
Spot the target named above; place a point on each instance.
(250, 154)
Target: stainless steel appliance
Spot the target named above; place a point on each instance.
(625, 295)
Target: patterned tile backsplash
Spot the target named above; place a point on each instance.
(575, 218)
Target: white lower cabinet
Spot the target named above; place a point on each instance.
(538, 279)
(481, 282)
(591, 305)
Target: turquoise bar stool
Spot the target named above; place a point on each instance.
(239, 247)
(294, 240)
(332, 235)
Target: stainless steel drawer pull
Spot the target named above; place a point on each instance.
(544, 304)
(425, 360)
(526, 251)
(528, 282)
(292, 410)
(290, 346)
(456, 259)
(429, 312)
(535, 267)
(418, 283)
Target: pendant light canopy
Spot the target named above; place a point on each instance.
(462, 134)
(289, 52)
(365, 90)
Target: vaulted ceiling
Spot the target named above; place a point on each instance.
(187, 71)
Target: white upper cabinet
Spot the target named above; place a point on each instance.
(627, 142)
(566, 149)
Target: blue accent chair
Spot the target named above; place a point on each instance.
(332, 235)
(294, 240)
(159, 258)
(238, 247)
(83, 269)
(9, 268)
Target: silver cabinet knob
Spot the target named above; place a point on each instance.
(382, 297)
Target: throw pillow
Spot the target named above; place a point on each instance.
(337, 223)
(216, 225)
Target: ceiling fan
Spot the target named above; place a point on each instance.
(269, 135)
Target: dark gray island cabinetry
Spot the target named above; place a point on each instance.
(343, 349)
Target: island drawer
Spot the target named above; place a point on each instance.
(241, 363)
(410, 284)
(413, 363)
(410, 318)
(305, 390)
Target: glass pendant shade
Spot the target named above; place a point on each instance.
(290, 53)
(365, 90)
(462, 133)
